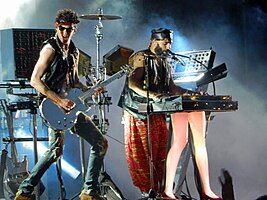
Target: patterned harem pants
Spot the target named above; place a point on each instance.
(137, 150)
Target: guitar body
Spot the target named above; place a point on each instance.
(57, 117)
(13, 176)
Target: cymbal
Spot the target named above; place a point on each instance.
(99, 16)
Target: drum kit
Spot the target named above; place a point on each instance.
(99, 72)
(108, 187)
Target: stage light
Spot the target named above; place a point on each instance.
(66, 167)
(191, 78)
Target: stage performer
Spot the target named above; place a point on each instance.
(135, 124)
(54, 74)
(152, 79)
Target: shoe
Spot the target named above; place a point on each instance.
(206, 197)
(21, 196)
(144, 194)
(165, 196)
(86, 195)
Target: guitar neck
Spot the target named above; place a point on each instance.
(91, 91)
(14, 153)
(9, 119)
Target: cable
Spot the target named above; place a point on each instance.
(122, 143)
(59, 175)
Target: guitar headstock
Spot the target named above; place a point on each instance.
(127, 69)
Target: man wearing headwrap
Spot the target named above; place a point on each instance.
(160, 84)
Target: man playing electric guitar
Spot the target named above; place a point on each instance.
(56, 73)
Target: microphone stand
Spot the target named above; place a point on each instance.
(152, 193)
(176, 57)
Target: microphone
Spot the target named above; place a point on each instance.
(175, 57)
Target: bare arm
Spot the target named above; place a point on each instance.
(136, 78)
(176, 90)
(46, 56)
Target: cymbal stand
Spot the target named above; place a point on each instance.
(99, 37)
(101, 100)
(100, 73)
(96, 77)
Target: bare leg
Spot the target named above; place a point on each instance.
(197, 123)
(180, 129)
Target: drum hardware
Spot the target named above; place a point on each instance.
(100, 71)
(105, 100)
(116, 58)
(103, 126)
(85, 69)
(99, 36)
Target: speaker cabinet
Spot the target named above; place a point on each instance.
(116, 58)
(20, 50)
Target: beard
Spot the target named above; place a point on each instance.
(158, 50)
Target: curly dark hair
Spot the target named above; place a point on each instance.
(66, 15)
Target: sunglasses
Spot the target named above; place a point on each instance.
(70, 29)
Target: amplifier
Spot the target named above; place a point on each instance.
(20, 50)
(116, 58)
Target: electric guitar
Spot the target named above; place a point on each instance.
(60, 119)
(15, 171)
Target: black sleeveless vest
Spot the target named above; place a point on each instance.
(56, 73)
